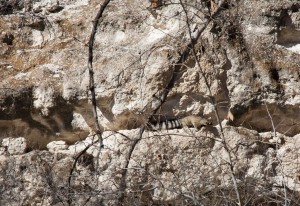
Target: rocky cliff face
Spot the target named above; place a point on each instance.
(245, 64)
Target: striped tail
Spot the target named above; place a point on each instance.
(167, 124)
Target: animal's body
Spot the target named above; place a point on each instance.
(129, 120)
(189, 121)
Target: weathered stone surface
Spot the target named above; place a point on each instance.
(166, 156)
(249, 54)
(56, 146)
(15, 145)
(239, 76)
(163, 162)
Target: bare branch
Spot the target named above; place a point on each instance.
(193, 50)
(123, 184)
(92, 90)
(91, 71)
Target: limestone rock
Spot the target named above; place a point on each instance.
(248, 55)
(15, 146)
(56, 146)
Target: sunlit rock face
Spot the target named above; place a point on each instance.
(246, 62)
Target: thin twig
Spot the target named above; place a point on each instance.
(91, 71)
(193, 41)
(123, 184)
(280, 162)
(92, 90)
(74, 166)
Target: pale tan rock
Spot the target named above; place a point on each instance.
(250, 56)
(56, 146)
(15, 146)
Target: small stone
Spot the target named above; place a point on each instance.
(2, 150)
(15, 146)
(57, 145)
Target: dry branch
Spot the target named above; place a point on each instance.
(193, 50)
(92, 90)
(91, 70)
(123, 184)
(183, 57)
(175, 74)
